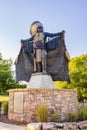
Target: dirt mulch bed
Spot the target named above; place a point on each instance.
(4, 119)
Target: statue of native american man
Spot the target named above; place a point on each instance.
(43, 52)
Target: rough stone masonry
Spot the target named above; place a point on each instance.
(23, 103)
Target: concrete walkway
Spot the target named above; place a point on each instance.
(4, 126)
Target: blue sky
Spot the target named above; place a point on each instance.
(16, 17)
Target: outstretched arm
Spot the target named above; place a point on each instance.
(54, 34)
(30, 40)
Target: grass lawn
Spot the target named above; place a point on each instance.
(4, 98)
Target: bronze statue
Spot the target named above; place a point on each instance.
(43, 52)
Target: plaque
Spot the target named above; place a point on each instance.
(18, 102)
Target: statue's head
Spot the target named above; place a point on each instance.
(36, 27)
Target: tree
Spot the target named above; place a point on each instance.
(6, 76)
(61, 84)
(78, 75)
(7, 80)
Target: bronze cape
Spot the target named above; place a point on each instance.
(57, 63)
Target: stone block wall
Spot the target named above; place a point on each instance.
(23, 103)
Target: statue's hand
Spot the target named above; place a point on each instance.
(22, 44)
(62, 35)
(63, 31)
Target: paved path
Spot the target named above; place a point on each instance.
(4, 126)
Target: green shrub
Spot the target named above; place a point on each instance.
(82, 113)
(73, 116)
(5, 107)
(56, 117)
(42, 113)
(85, 128)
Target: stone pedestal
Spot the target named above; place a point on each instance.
(61, 101)
(41, 90)
(40, 80)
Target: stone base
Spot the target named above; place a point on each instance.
(23, 103)
(40, 80)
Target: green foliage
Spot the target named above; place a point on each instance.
(82, 113)
(4, 98)
(78, 75)
(84, 127)
(6, 75)
(56, 117)
(42, 113)
(72, 116)
(61, 84)
(78, 70)
(7, 80)
(18, 86)
(5, 107)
